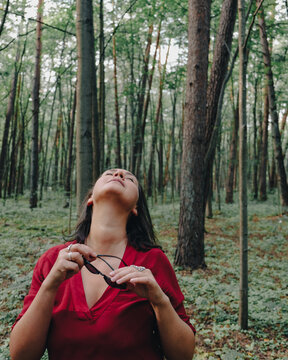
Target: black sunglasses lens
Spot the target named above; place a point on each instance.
(91, 268)
(114, 284)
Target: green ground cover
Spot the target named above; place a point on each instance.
(211, 295)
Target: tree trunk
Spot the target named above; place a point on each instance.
(255, 150)
(141, 96)
(4, 16)
(264, 149)
(232, 158)
(243, 160)
(281, 173)
(190, 247)
(35, 118)
(68, 177)
(216, 83)
(155, 129)
(147, 101)
(8, 121)
(117, 116)
(101, 103)
(86, 59)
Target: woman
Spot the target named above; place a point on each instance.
(133, 310)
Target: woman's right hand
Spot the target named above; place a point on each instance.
(69, 262)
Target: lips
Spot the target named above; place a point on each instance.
(118, 180)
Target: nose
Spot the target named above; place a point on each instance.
(119, 173)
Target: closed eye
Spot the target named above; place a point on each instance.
(131, 179)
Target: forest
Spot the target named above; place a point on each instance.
(190, 96)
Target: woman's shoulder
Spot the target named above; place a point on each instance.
(153, 256)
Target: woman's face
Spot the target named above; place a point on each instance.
(117, 184)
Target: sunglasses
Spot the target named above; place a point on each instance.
(108, 280)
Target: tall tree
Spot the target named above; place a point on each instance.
(101, 103)
(217, 85)
(117, 115)
(232, 155)
(84, 102)
(281, 173)
(264, 148)
(137, 138)
(36, 102)
(243, 231)
(4, 16)
(190, 247)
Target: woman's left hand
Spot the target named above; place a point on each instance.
(143, 283)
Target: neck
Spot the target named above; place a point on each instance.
(108, 230)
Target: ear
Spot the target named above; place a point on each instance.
(134, 211)
(90, 201)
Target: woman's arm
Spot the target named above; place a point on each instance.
(177, 338)
(29, 335)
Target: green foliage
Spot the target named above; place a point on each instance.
(211, 296)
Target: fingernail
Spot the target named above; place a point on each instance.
(112, 273)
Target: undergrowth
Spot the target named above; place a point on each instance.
(211, 295)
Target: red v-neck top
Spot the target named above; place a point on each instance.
(120, 325)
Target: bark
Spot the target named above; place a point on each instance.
(35, 119)
(141, 96)
(216, 87)
(147, 101)
(281, 173)
(243, 160)
(86, 59)
(232, 158)
(4, 16)
(8, 121)
(68, 177)
(14, 147)
(56, 149)
(101, 103)
(255, 152)
(264, 149)
(190, 248)
(221, 58)
(117, 115)
(155, 129)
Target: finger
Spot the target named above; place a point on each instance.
(142, 280)
(76, 257)
(121, 271)
(84, 250)
(126, 277)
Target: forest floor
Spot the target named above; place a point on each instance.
(211, 295)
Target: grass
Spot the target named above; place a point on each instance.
(211, 296)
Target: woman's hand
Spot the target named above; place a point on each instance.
(68, 263)
(142, 282)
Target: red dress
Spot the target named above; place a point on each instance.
(120, 325)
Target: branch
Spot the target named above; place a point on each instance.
(4, 17)
(252, 23)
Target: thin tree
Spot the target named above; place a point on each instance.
(117, 115)
(36, 102)
(243, 231)
(281, 173)
(264, 148)
(86, 58)
(4, 16)
(101, 103)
